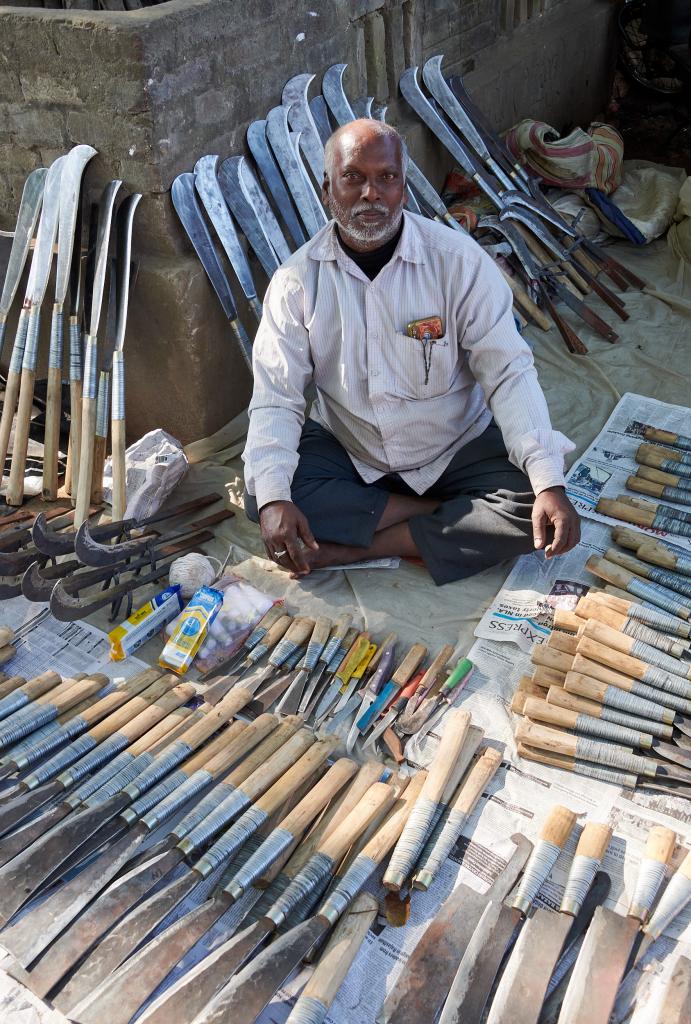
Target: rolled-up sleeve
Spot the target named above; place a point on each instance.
(502, 363)
(283, 368)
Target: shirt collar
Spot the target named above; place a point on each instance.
(410, 245)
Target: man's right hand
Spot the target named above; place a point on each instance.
(283, 526)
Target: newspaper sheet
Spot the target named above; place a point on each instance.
(602, 471)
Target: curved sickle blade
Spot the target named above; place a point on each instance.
(105, 220)
(434, 80)
(363, 107)
(335, 95)
(124, 258)
(38, 582)
(190, 214)
(320, 113)
(294, 99)
(70, 195)
(206, 184)
(45, 236)
(268, 168)
(245, 214)
(29, 209)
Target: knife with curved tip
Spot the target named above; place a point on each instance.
(320, 211)
(337, 647)
(486, 950)
(206, 184)
(269, 170)
(434, 80)
(300, 118)
(423, 985)
(257, 199)
(245, 214)
(25, 352)
(523, 985)
(189, 211)
(392, 709)
(278, 136)
(124, 278)
(27, 217)
(317, 642)
(70, 199)
(341, 677)
(89, 394)
(363, 106)
(381, 674)
(605, 952)
(320, 113)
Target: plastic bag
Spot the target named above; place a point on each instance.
(243, 606)
(155, 465)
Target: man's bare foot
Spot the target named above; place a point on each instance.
(394, 542)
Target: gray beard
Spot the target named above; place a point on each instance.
(363, 232)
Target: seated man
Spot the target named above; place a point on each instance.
(437, 447)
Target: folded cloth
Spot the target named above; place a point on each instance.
(580, 160)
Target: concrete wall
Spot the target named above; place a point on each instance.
(155, 89)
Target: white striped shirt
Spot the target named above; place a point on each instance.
(325, 322)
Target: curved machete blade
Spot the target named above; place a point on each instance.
(245, 214)
(70, 193)
(294, 99)
(29, 208)
(269, 170)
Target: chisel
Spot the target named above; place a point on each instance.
(338, 645)
(486, 950)
(317, 642)
(673, 900)
(666, 622)
(668, 689)
(523, 985)
(130, 985)
(205, 980)
(602, 958)
(565, 698)
(590, 679)
(296, 634)
(590, 609)
(643, 590)
(342, 676)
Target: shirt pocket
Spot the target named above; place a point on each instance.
(423, 372)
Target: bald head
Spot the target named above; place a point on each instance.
(362, 133)
(364, 182)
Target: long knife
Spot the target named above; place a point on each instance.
(27, 217)
(269, 170)
(523, 985)
(124, 277)
(605, 952)
(245, 214)
(206, 184)
(381, 674)
(70, 199)
(188, 210)
(258, 201)
(301, 119)
(487, 948)
(317, 642)
(278, 135)
(89, 394)
(25, 351)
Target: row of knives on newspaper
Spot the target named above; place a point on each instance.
(159, 815)
(274, 199)
(93, 254)
(80, 571)
(610, 695)
(663, 471)
(124, 849)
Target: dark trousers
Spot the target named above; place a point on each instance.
(483, 518)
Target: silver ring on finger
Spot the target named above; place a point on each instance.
(280, 554)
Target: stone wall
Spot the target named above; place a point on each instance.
(155, 89)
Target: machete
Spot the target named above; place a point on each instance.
(51, 543)
(487, 947)
(27, 871)
(320, 113)
(29, 209)
(269, 170)
(523, 985)
(133, 982)
(364, 107)
(25, 351)
(124, 278)
(70, 200)
(89, 393)
(206, 184)
(279, 138)
(300, 118)
(188, 210)
(255, 773)
(603, 957)
(245, 214)
(257, 199)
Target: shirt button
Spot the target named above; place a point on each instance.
(375, 373)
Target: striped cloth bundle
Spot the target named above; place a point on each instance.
(580, 160)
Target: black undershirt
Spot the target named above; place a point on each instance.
(371, 262)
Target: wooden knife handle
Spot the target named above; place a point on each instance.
(389, 641)
(456, 725)
(277, 631)
(652, 869)
(562, 642)
(134, 706)
(6, 635)
(39, 685)
(473, 786)
(550, 658)
(336, 845)
(409, 664)
(388, 834)
(258, 757)
(594, 840)
(535, 735)
(221, 753)
(79, 691)
(164, 732)
(235, 701)
(567, 620)
(298, 773)
(319, 796)
(164, 704)
(437, 665)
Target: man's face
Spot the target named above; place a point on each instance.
(366, 191)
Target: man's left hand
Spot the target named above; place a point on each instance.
(553, 508)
